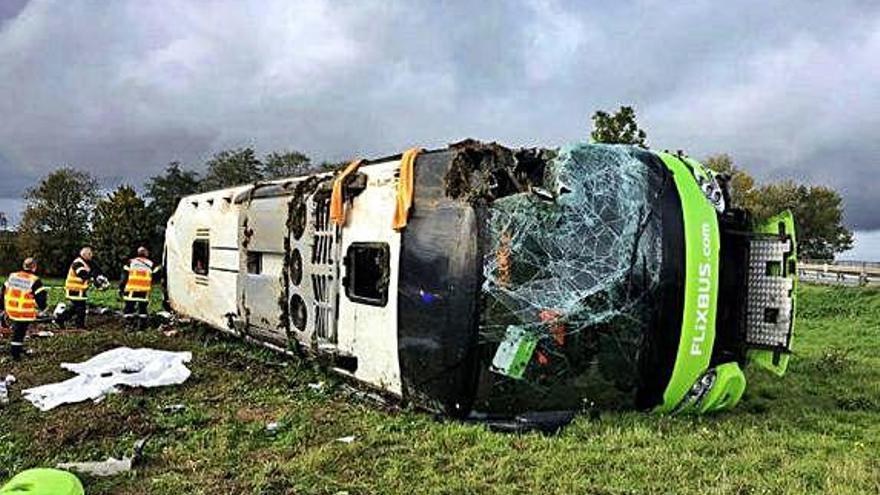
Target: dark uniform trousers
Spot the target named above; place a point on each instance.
(76, 309)
(136, 310)
(19, 331)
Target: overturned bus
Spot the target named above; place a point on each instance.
(482, 279)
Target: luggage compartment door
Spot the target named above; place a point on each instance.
(264, 283)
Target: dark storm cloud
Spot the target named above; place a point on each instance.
(789, 88)
(10, 8)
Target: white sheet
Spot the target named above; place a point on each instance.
(104, 373)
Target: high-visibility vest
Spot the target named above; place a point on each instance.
(19, 301)
(74, 286)
(140, 280)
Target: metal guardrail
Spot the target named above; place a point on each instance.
(850, 273)
(842, 263)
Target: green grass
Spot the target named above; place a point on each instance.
(815, 431)
(106, 298)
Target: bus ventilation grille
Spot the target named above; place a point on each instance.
(769, 309)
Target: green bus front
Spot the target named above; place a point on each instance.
(627, 280)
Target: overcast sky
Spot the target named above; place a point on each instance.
(788, 88)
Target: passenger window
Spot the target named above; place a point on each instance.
(254, 262)
(201, 256)
(367, 272)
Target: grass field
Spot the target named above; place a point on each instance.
(815, 431)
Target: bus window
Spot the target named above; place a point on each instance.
(254, 262)
(201, 254)
(367, 271)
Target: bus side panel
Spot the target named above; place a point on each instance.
(202, 258)
(440, 276)
(367, 331)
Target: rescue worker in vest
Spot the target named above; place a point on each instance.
(24, 296)
(137, 282)
(79, 278)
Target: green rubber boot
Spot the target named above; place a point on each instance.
(43, 481)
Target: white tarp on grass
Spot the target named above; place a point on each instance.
(104, 373)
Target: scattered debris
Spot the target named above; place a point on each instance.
(102, 311)
(4, 389)
(371, 397)
(45, 334)
(104, 373)
(174, 408)
(272, 428)
(317, 387)
(348, 439)
(111, 466)
(547, 422)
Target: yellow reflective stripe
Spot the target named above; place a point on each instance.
(74, 282)
(130, 296)
(139, 279)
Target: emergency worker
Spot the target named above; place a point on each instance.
(137, 283)
(23, 298)
(76, 287)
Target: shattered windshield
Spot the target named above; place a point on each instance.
(569, 274)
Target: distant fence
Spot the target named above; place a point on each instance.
(843, 272)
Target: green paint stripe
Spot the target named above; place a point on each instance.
(702, 246)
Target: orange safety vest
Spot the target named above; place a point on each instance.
(74, 286)
(140, 280)
(18, 296)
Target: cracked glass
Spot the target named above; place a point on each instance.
(571, 271)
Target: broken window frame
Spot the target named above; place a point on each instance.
(383, 262)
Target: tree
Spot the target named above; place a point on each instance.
(618, 128)
(164, 192)
(232, 168)
(121, 225)
(741, 185)
(55, 222)
(818, 210)
(818, 214)
(286, 164)
(9, 258)
(328, 166)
